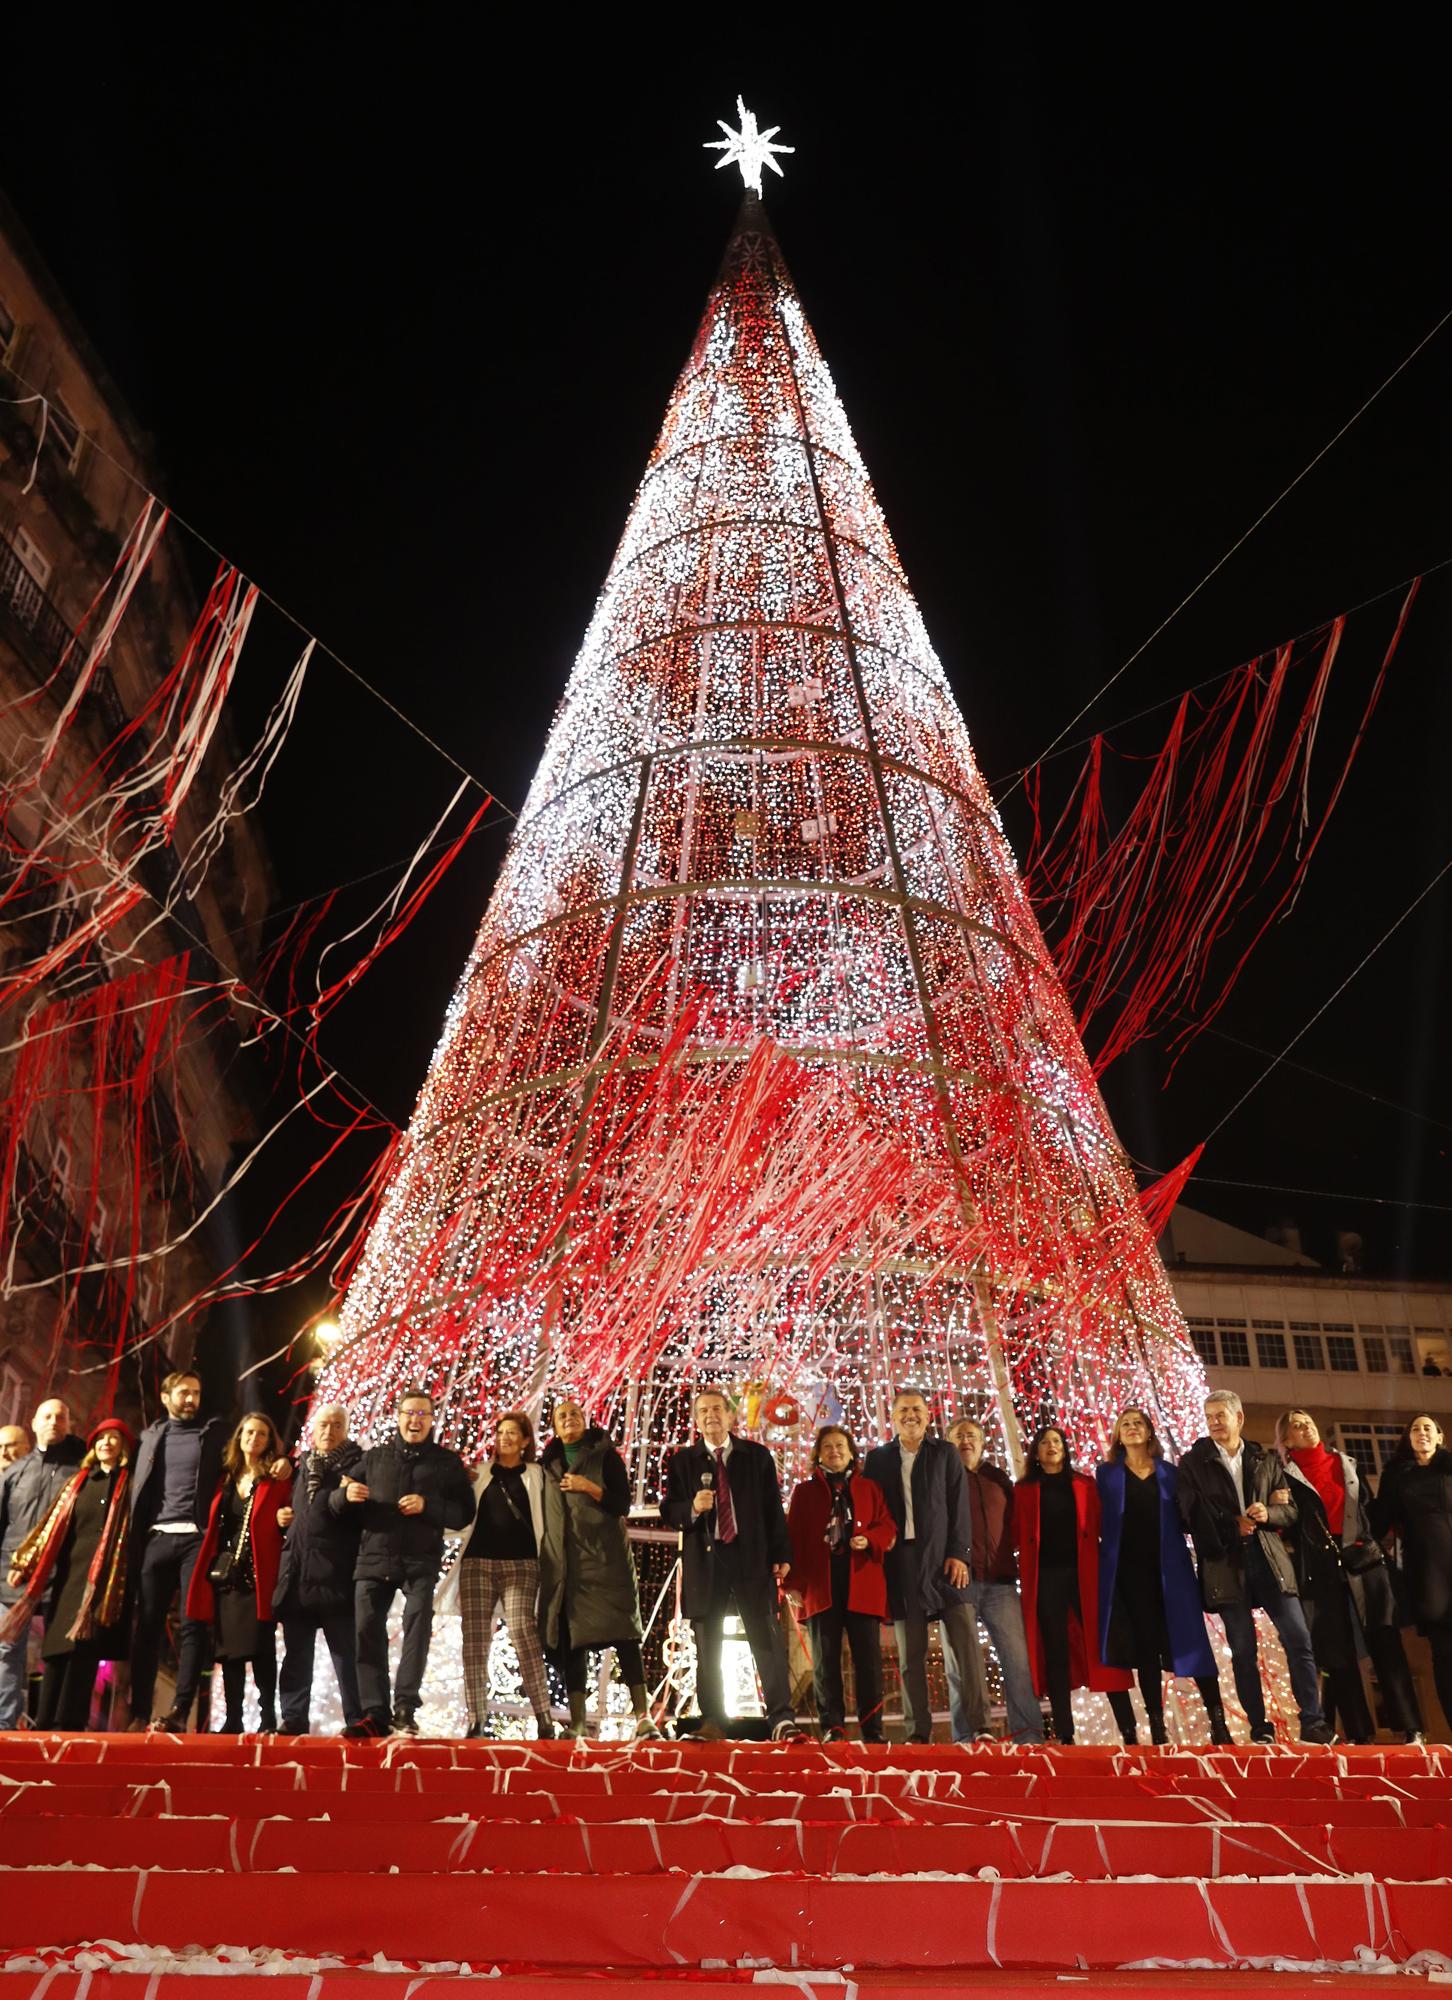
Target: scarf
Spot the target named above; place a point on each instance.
(1328, 1475)
(36, 1557)
(839, 1521)
(320, 1464)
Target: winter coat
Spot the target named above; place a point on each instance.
(811, 1570)
(28, 1490)
(547, 1518)
(1322, 1577)
(1086, 1664)
(761, 1541)
(149, 1482)
(1210, 1510)
(395, 1547)
(990, 1514)
(72, 1571)
(266, 1539)
(1190, 1652)
(319, 1550)
(596, 1592)
(1415, 1504)
(942, 1528)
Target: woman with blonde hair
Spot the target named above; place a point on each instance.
(1345, 1586)
(78, 1553)
(235, 1577)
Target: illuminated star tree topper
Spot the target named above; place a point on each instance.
(750, 149)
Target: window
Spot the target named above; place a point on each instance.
(1388, 1437)
(1270, 1325)
(62, 433)
(1342, 1350)
(1234, 1350)
(1404, 1362)
(1359, 1441)
(1373, 1346)
(1270, 1350)
(1308, 1351)
(1337, 1326)
(1205, 1347)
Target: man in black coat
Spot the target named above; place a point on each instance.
(1234, 1495)
(315, 1577)
(29, 1489)
(409, 1491)
(723, 1495)
(928, 1575)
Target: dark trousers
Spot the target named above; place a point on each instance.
(300, 1631)
(1344, 1692)
(264, 1674)
(66, 1688)
(864, 1636)
(1057, 1603)
(167, 1562)
(372, 1599)
(755, 1600)
(1284, 1611)
(574, 1661)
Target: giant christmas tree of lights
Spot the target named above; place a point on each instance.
(759, 1069)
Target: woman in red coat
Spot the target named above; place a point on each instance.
(1056, 1533)
(236, 1570)
(841, 1530)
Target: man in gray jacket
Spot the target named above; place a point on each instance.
(28, 1490)
(1234, 1496)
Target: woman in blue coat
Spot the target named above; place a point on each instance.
(1150, 1614)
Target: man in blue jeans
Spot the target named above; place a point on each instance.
(993, 1590)
(1234, 1497)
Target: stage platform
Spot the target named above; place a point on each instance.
(312, 1869)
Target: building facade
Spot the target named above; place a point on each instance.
(74, 473)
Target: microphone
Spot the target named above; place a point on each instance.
(708, 1480)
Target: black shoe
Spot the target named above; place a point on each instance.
(405, 1722)
(1265, 1734)
(175, 1724)
(834, 1735)
(1220, 1730)
(1158, 1732)
(475, 1729)
(366, 1726)
(544, 1728)
(1318, 1732)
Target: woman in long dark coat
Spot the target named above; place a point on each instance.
(594, 1603)
(80, 1551)
(243, 1539)
(1150, 1615)
(1414, 1503)
(1345, 1586)
(1056, 1533)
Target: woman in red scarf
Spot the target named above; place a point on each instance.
(1346, 1590)
(80, 1549)
(841, 1530)
(235, 1577)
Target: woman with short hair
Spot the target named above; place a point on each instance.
(841, 1530)
(1056, 1533)
(235, 1577)
(593, 1604)
(79, 1553)
(518, 1525)
(1150, 1615)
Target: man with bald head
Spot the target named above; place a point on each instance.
(14, 1443)
(315, 1582)
(29, 1489)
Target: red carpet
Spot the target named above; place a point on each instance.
(393, 1868)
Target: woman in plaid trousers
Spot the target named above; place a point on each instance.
(518, 1530)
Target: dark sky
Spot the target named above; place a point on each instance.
(403, 328)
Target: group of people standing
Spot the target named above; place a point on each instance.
(1079, 1581)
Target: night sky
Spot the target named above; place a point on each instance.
(403, 328)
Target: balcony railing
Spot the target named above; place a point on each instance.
(28, 605)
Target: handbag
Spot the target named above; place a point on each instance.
(1220, 1581)
(1358, 1557)
(229, 1571)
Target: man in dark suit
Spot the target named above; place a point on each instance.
(29, 1489)
(722, 1493)
(927, 1567)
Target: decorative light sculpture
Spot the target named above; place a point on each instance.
(759, 1070)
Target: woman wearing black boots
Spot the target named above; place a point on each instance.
(1150, 1615)
(235, 1577)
